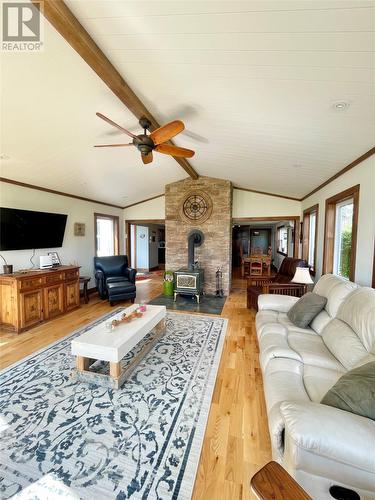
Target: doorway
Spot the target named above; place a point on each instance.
(277, 236)
(145, 244)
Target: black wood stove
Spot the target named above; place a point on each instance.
(190, 280)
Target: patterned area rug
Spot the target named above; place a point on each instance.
(61, 438)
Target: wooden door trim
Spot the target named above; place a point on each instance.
(329, 229)
(116, 221)
(137, 222)
(306, 231)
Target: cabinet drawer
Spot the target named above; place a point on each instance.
(30, 283)
(70, 275)
(53, 278)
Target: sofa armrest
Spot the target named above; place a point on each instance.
(329, 433)
(131, 273)
(274, 302)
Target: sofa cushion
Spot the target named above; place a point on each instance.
(305, 310)
(320, 322)
(292, 328)
(344, 343)
(274, 344)
(319, 380)
(358, 312)
(313, 351)
(277, 342)
(266, 318)
(354, 392)
(335, 289)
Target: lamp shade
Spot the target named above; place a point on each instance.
(302, 275)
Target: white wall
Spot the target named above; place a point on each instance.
(76, 249)
(152, 209)
(247, 204)
(363, 174)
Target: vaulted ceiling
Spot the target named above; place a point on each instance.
(255, 82)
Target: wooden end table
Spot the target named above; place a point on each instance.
(274, 482)
(85, 280)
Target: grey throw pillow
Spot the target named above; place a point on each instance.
(354, 391)
(305, 310)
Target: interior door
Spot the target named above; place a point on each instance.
(142, 252)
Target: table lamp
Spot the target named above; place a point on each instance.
(302, 275)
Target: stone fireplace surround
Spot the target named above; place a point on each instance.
(216, 250)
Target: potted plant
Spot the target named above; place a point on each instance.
(168, 284)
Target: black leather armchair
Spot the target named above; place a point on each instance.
(113, 276)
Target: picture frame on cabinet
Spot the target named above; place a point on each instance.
(55, 258)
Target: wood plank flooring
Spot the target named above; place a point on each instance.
(236, 443)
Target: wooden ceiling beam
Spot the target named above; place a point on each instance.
(63, 20)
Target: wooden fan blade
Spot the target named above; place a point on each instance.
(147, 158)
(168, 149)
(116, 125)
(113, 145)
(167, 131)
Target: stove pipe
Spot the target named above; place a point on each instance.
(195, 239)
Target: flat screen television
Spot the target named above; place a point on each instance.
(26, 229)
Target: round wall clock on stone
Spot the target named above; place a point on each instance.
(196, 207)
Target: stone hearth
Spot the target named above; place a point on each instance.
(216, 251)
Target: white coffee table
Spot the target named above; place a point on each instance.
(99, 344)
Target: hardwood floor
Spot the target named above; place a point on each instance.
(236, 443)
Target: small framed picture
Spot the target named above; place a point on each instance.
(55, 258)
(79, 229)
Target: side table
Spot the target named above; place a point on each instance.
(85, 280)
(274, 482)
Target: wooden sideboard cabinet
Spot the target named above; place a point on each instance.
(27, 299)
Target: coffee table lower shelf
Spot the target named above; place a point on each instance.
(117, 375)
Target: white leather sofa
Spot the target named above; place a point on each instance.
(319, 445)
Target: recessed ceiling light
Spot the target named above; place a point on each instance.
(340, 105)
(3, 156)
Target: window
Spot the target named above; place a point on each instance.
(282, 240)
(106, 235)
(341, 233)
(343, 238)
(309, 236)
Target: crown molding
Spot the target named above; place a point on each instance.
(266, 193)
(144, 201)
(351, 165)
(53, 191)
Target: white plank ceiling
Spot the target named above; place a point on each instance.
(255, 83)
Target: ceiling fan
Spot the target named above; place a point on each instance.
(156, 140)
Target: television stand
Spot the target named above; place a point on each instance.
(32, 297)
